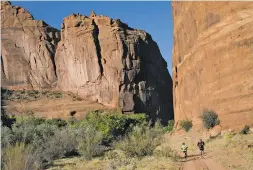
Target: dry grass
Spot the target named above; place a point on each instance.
(78, 163)
(233, 151)
(18, 157)
(156, 163)
(118, 160)
(147, 163)
(230, 150)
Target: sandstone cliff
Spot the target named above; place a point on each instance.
(213, 61)
(105, 60)
(97, 57)
(28, 47)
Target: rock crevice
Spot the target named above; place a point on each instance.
(98, 48)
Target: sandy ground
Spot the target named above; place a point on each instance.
(231, 152)
(197, 163)
(54, 108)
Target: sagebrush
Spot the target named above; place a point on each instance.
(245, 130)
(186, 124)
(210, 119)
(50, 139)
(141, 141)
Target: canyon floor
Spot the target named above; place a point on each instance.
(230, 151)
(50, 104)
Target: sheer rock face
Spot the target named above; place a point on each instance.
(105, 60)
(99, 58)
(28, 47)
(213, 61)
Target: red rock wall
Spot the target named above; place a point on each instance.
(100, 58)
(105, 60)
(213, 61)
(27, 49)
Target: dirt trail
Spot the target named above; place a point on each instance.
(194, 160)
(197, 163)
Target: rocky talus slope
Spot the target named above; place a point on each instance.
(213, 61)
(99, 58)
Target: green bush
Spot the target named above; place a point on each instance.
(141, 141)
(210, 119)
(57, 122)
(6, 120)
(7, 137)
(170, 125)
(48, 148)
(48, 139)
(245, 130)
(111, 125)
(90, 142)
(29, 94)
(186, 124)
(54, 138)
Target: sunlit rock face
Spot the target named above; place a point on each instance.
(213, 61)
(28, 47)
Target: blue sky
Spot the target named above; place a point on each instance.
(153, 17)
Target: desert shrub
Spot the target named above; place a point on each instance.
(118, 160)
(18, 157)
(157, 130)
(229, 136)
(48, 139)
(54, 138)
(111, 125)
(141, 141)
(22, 121)
(170, 125)
(186, 124)
(245, 130)
(29, 94)
(48, 148)
(166, 151)
(76, 98)
(89, 142)
(54, 95)
(210, 119)
(7, 136)
(57, 122)
(27, 128)
(6, 120)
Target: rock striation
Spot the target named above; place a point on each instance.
(105, 60)
(99, 58)
(28, 47)
(213, 61)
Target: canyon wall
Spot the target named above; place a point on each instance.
(96, 57)
(213, 61)
(27, 50)
(105, 60)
